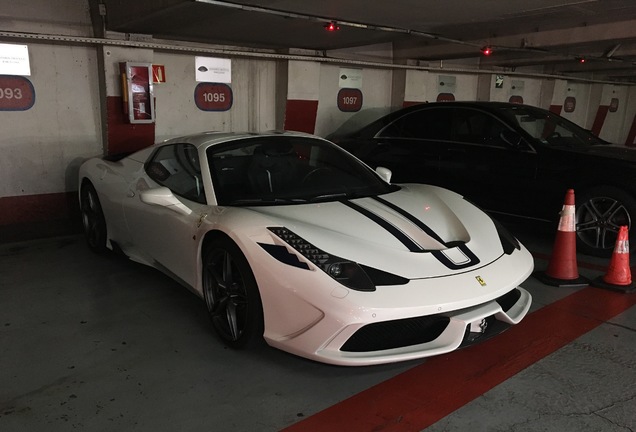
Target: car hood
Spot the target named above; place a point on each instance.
(419, 231)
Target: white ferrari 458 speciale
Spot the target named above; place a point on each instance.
(290, 239)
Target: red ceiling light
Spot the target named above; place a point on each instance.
(332, 26)
(486, 50)
(581, 59)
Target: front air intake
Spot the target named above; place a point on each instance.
(396, 334)
(509, 299)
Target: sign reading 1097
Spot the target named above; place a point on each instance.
(349, 100)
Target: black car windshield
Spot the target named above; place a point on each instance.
(280, 170)
(549, 128)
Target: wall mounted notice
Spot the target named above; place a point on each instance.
(350, 78)
(210, 69)
(14, 60)
(446, 84)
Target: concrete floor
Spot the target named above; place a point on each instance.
(102, 344)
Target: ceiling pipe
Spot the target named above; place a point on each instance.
(38, 37)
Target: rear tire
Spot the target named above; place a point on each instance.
(93, 218)
(600, 212)
(231, 295)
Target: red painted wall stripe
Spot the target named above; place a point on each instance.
(37, 208)
(123, 136)
(406, 104)
(38, 216)
(629, 142)
(556, 109)
(427, 393)
(300, 115)
(601, 114)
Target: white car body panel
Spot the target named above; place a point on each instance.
(307, 312)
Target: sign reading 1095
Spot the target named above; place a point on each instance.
(213, 96)
(349, 100)
(16, 93)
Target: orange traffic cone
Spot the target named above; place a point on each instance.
(619, 275)
(562, 269)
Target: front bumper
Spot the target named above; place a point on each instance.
(419, 337)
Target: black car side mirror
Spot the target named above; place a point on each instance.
(512, 138)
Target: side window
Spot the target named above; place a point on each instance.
(177, 168)
(477, 127)
(430, 124)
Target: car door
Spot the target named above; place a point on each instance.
(479, 163)
(167, 234)
(410, 146)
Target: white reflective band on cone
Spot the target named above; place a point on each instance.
(622, 246)
(566, 223)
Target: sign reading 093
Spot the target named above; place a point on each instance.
(213, 96)
(16, 93)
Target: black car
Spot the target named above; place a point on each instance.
(514, 159)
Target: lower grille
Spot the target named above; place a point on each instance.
(396, 334)
(493, 328)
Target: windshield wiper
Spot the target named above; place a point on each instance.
(328, 196)
(266, 201)
(336, 196)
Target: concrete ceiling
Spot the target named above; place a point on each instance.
(549, 35)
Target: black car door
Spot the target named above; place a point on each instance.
(480, 164)
(410, 146)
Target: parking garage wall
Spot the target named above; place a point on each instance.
(252, 88)
(374, 88)
(43, 145)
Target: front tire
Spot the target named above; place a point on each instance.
(93, 219)
(600, 212)
(231, 294)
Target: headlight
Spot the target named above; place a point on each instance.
(348, 273)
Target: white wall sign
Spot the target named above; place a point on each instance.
(210, 69)
(517, 86)
(350, 78)
(446, 84)
(14, 60)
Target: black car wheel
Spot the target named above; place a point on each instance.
(92, 218)
(231, 294)
(600, 213)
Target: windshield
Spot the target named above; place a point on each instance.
(549, 128)
(286, 170)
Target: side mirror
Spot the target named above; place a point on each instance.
(512, 138)
(162, 196)
(384, 173)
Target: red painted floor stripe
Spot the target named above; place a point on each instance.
(427, 393)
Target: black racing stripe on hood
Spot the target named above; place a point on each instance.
(441, 257)
(396, 232)
(421, 225)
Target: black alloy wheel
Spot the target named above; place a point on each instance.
(599, 215)
(92, 218)
(231, 294)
